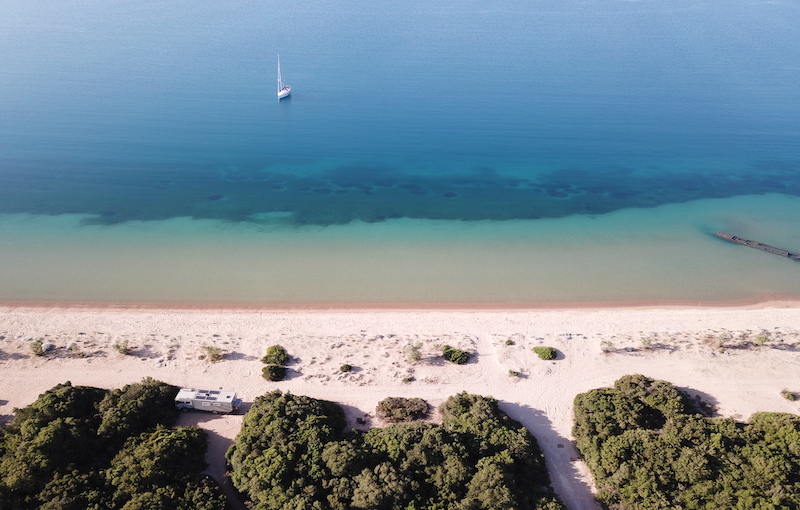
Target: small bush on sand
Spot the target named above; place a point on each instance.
(546, 353)
(76, 351)
(36, 347)
(513, 373)
(345, 368)
(397, 409)
(607, 346)
(276, 355)
(214, 354)
(123, 347)
(273, 373)
(789, 395)
(414, 352)
(454, 355)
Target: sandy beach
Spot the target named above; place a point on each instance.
(737, 359)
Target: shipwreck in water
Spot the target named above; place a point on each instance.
(759, 246)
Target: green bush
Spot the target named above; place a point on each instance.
(83, 447)
(546, 353)
(414, 352)
(276, 355)
(136, 408)
(345, 368)
(36, 347)
(454, 355)
(123, 347)
(214, 354)
(292, 453)
(789, 395)
(397, 409)
(645, 447)
(273, 373)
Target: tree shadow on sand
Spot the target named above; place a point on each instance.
(700, 402)
(560, 456)
(218, 445)
(356, 418)
(239, 356)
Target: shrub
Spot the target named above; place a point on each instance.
(273, 373)
(76, 351)
(123, 347)
(83, 447)
(546, 353)
(135, 408)
(454, 355)
(396, 409)
(513, 373)
(214, 354)
(414, 352)
(276, 355)
(645, 446)
(509, 342)
(36, 347)
(291, 453)
(789, 395)
(345, 368)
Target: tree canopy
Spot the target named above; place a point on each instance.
(78, 447)
(648, 450)
(292, 453)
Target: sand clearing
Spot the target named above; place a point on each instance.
(737, 359)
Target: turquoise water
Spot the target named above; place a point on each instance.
(527, 153)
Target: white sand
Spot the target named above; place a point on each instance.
(713, 352)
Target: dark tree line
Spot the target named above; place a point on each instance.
(292, 453)
(78, 447)
(648, 450)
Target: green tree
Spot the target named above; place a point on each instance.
(136, 408)
(276, 355)
(53, 455)
(164, 458)
(291, 454)
(646, 450)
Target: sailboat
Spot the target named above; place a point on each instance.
(283, 90)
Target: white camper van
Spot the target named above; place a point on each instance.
(214, 401)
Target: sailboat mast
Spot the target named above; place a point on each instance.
(280, 82)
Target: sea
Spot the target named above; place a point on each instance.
(454, 153)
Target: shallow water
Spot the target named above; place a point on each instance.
(665, 254)
(534, 152)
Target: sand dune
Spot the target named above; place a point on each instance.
(737, 359)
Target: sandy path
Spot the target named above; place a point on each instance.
(713, 352)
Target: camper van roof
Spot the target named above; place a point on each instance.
(196, 394)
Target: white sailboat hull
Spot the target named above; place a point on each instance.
(283, 90)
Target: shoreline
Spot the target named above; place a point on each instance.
(771, 302)
(737, 359)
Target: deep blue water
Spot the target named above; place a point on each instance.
(150, 110)
(456, 110)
